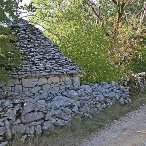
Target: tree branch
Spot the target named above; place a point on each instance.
(123, 4)
(92, 8)
(115, 2)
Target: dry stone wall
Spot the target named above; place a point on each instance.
(40, 56)
(21, 88)
(43, 68)
(46, 90)
(32, 116)
(136, 82)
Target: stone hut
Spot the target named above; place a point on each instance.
(44, 67)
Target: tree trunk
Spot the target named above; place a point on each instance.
(120, 11)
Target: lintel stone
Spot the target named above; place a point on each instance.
(29, 82)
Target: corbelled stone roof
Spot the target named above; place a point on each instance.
(39, 55)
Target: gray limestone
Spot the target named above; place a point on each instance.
(2, 130)
(18, 121)
(72, 94)
(8, 133)
(38, 129)
(10, 114)
(43, 58)
(31, 130)
(19, 128)
(42, 81)
(48, 115)
(18, 88)
(2, 83)
(4, 143)
(29, 82)
(41, 104)
(33, 116)
(54, 79)
(46, 125)
(1, 123)
(28, 107)
(35, 89)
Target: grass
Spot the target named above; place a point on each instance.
(81, 126)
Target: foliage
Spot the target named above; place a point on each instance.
(128, 43)
(103, 38)
(79, 39)
(126, 36)
(8, 10)
(9, 55)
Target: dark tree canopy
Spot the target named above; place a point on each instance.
(9, 55)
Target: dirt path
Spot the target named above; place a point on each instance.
(123, 132)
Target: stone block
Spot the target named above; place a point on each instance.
(38, 129)
(55, 89)
(1, 90)
(13, 89)
(1, 124)
(76, 81)
(72, 94)
(29, 82)
(46, 87)
(18, 88)
(33, 116)
(24, 89)
(42, 81)
(34, 123)
(48, 115)
(64, 78)
(6, 89)
(41, 104)
(46, 125)
(8, 133)
(35, 89)
(4, 143)
(18, 121)
(10, 114)
(2, 130)
(27, 130)
(53, 79)
(62, 87)
(13, 82)
(28, 107)
(2, 83)
(31, 130)
(20, 128)
(1, 138)
(60, 122)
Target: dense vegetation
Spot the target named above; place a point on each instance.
(107, 39)
(9, 55)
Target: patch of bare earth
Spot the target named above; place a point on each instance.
(130, 130)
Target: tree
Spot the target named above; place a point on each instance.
(99, 37)
(9, 55)
(68, 24)
(127, 40)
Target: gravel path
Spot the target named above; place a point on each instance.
(130, 130)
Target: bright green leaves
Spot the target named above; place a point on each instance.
(79, 38)
(9, 55)
(8, 10)
(88, 42)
